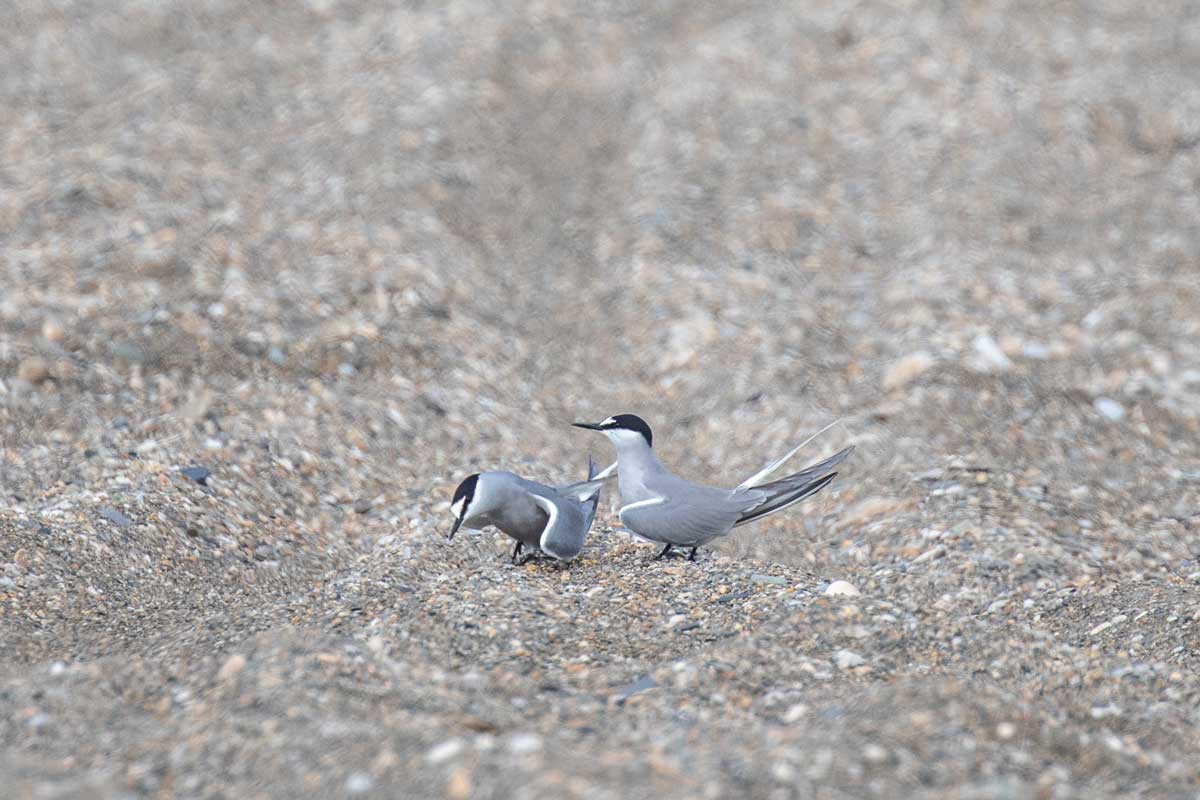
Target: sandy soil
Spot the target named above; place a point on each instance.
(330, 258)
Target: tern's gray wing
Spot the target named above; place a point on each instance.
(806, 475)
(686, 514)
(567, 525)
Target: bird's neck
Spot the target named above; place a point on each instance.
(635, 461)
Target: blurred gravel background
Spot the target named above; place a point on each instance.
(274, 277)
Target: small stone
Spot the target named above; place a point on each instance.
(1101, 628)
(198, 474)
(795, 713)
(642, 684)
(232, 666)
(1018, 559)
(848, 659)
(875, 754)
(115, 517)
(1036, 351)
(783, 772)
(989, 354)
(34, 370)
(362, 506)
(1109, 409)
(524, 744)
(127, 351)
(52, 330)
(1006, 731)
(460, 786)
(907, 369)
(771, 579)
(930, 555)
(841, 589)
(444, 751)
(358, 783)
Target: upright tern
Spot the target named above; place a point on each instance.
(665, 508)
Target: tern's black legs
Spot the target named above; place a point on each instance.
(534, 554)
(666, 551)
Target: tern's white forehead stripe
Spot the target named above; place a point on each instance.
(609, 421)
(457, 506)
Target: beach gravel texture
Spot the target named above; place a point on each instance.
(275, 277)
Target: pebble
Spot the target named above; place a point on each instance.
(642, 684)
(848, 659)
(989, 354)
(444, 751)
(460, 786)
(232, 666)
(875, 754)
(1036, 351)
(795, 713)
(1104, 712)
(1109, 409)
(52, 330)
(34, 370)
(198, 474)
(841, 589)
(907, 369)
(524, 743)
(115, 517)
(775, 580)
(359, 783)
(931, 555)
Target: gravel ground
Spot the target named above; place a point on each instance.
(274, 277)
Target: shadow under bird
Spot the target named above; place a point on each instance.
(665, 508)
(554, 520)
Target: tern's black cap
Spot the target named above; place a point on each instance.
(627, 422)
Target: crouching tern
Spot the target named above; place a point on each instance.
(665, 508)
(554, 520)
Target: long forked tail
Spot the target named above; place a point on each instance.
(794, 488)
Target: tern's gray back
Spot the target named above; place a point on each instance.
(514, 512)
(538, 515)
